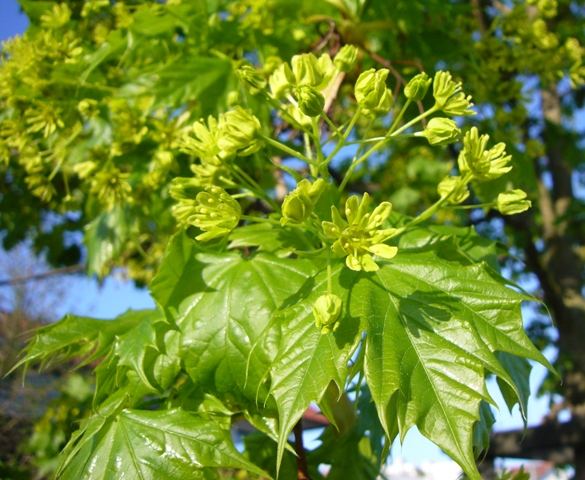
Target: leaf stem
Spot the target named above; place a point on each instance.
(429, 212)
(357, 161)
(341, 142)
(285, 148)
(254, 187)
(399, 116)
(415, 120)
(379, 144)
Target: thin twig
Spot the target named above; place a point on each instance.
(42, 276)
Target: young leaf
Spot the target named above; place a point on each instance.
(81, 338)
(307, 359)
(105, 238)
(223, 305)
(434, 324)
(161, 445)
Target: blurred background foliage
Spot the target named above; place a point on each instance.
(97, 95)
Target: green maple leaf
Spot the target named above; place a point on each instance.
(435, 321)
(157, 445)
(223, 305)
(434, 324)
(308, 360)
(139, 342)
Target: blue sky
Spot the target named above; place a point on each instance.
(115, 296)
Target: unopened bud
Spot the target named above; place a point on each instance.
(298, 204)
(454, 188)
(440, 131)
(251, 77)
(327, 310)
(346, 58)
(512, 202)
(417, 87)
(239, 132)
(306, 71)
(311, 102)
(371, 92)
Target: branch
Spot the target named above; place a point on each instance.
(478, 14)
(302, 469)
(42, 276)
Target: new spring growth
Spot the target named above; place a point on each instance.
(305, 80)
(233, 133)
(482, 163)
(512, 202)
(417, 87)
(310, 101)
(346, 58)
(298, 204)
(239, 133)
(87, 108)
(184, 188)
(281, 81)
(371, 92)
(449, 96)
(454, 188)
(251, 77)
(327, 310)
(214, 211)
(202, 142)
(306, 70)
(362, 235)
(440, 131)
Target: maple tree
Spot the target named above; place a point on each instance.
(310, 171)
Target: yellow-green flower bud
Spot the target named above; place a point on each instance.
(238, 133)
(417, 87)
(296, 208)
(371, 92)
(346, 58)
(85, 169)
(215, 212)
(512, 202)
(203, 141)
(306, 70)
(327, 310)
(88, 107)
(184, 188)
(449, 96)
(543, 37)
(310, 101)
(454, 188)
(312, 190)
(252, 78)
(281, 81)
(298, 204)
(483, 164)
(58, 16)
(440, 131)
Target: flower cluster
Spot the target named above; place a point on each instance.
(234, 133)
(371, 92)
(214, 142)
(306, 80)
(482, 163)
(361, 235)
(449, 96)
(213, 210)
